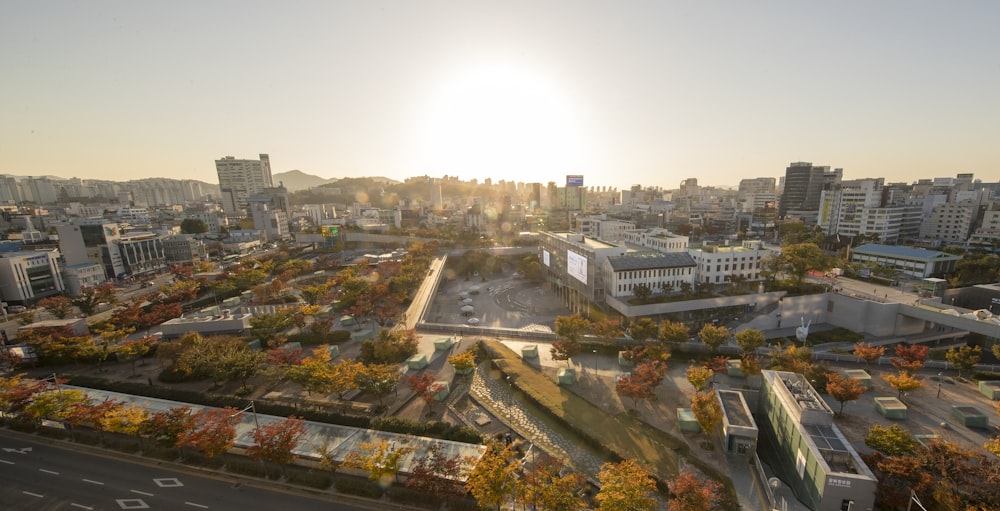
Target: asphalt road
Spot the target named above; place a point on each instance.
(37, 475)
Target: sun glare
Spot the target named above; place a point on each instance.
(501, 122)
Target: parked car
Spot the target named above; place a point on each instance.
(16, 309)
(146, 284)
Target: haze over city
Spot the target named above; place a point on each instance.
(647, 93)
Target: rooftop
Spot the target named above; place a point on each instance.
(650, 260)
(902, 252)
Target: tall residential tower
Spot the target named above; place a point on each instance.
(239, 179)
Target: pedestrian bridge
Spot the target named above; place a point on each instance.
(981, 323)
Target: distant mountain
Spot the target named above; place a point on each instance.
(295, 180)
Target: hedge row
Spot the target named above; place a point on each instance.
(434, 429)
(431, 429)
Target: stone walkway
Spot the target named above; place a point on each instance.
(498, 398)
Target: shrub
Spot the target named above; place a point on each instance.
(312, 478)
(408, 496)
(161, 453)
(246, 467)
(985, 375)
(359, 487)
(457, 504)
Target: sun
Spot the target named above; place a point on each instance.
(501, 122)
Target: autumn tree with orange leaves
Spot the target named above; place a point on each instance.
(870, 354)
(274, 441)
(215, 432)
(692, 493)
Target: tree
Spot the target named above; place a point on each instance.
(565, 349)
(16, 393)
(313, 295)
(136, 349)
(274, 441)
(799, 259)
(391, 346)
(380, 459)
(749, 340)
(910, 358)
(673, 332)
(714, 336)
(193, 226)
(964, 358)
(91, 297)
(642, 329)
(168, 426)
(572, 327)
(750, 364)
(903, 382)
(626, 486)
(437, 474)
(844, 389)
(493, 477)
(379, 380)
(891, 441)
(426, 386)
(546, 487)
(642, 292)
(59, 306)
(707, 411)
(792, 359)
(608, 328)
(56, 404)
(642, 383)
(215, 431)
(698, 376)
(92, 415)
(266, 327)
(692, 493)
(865, 351)
(463, 362)
(127, 420)
(109, 341)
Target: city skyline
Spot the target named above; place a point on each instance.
(649, 95)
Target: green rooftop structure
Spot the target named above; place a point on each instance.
(890, 408)
(529, 351)
(623, 361)
(417, 362)
(686, 420)
(443, 343)
(566, 376)
(860, 375)
(734, 368)
(970, 416)
(990, 389)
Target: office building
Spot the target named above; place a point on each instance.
(803, 187)
(808, 451)
(26, 277)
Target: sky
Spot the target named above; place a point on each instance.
(624, 93)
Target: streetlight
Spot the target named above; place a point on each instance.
(252, 410)
(939, 385)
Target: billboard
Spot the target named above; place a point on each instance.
(545, 257)
(576, 266)
(331, 231)
(574, 180)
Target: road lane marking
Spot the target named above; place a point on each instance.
(142, 493)
(74, 504)
(7, 462)
(53, 472)
(92, 481)
(196, 505)
(32, 494)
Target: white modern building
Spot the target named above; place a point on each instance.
(659, 272)
(26, 277)
(660, 240)
(719, 264)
